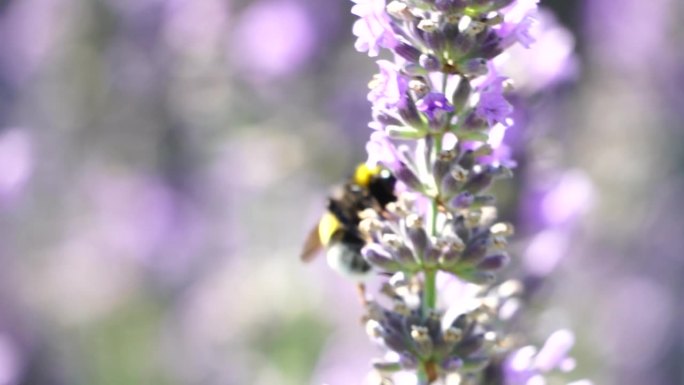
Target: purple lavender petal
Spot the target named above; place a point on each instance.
(493, 107)
(373, 30)
(381, 150)
(434, 104)
(388, 86)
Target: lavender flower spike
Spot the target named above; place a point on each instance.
(440, 109)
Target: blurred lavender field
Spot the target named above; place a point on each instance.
(161, 162)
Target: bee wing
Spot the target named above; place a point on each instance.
(312, 246)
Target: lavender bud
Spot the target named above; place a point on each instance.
(505, 229)
(385, 119)
(433, 38)
(467, 161)
(387, 366)
(476, 250)
(431, 257)
(376, 255)
(395, 341)
(458, 226)
(473, 122)
(404, 132)
(475, 28)
(408, 52)
(406, 258)
(452, 364)
(409, 113)
(492, 49)
(399, 10)
(462, 94)
(453, 335)
(484, 150)
(450, 186)
(474, 364)
(478, 183)
(470, 345)
(416, 233)
(493, 262)
(462, 323)
(391, 241)
(503, 172)
(463, 200)
(480, 277)
(412, 69)
(403, 173)
(450, 6)
(408, 362)
(483, 200)
(422, 341)
(401, 309)
(451, 32)
(442, 165)
(494, 19)
(419, 87)
(462, 44)
(474, 67)
(374, 329)
(429, 62)
(427, 25)
(450, 258)
(499, 242)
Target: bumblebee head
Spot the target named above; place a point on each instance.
(363, 175)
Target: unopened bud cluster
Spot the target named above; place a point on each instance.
(462, 346)
(467, 244)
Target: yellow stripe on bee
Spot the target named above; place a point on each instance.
(363, 174)
(327, 226)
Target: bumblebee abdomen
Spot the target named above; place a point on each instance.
(346, 258)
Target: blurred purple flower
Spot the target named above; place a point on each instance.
(569, 198)
(16, 162)
(526, 365)
(192, 25)
(545, 251)
(373, 30)
(144, 219)
(10, 362)
(549, 61)
(273, 39)
(28, 30)
(622, 37)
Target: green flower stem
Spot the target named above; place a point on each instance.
(429, 283)
(429, 291)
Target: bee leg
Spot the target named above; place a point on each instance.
(361, 290)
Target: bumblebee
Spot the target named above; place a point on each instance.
(338, 229)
